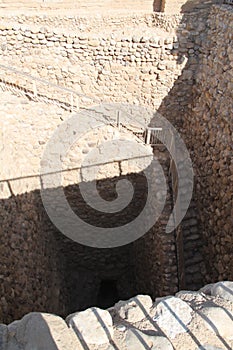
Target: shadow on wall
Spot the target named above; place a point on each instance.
(43, 270)
(39, 265)
(197, 5)
(188, 6)
(186, 108)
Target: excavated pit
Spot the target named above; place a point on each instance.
(167, 70)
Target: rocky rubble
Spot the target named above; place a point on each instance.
(189, 320)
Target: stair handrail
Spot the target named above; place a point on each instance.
(46, 82)
(68, 90)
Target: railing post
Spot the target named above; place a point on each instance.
(71, 94)
(148, 136)
(71, 102)
(177, 215)
(34, 89)
(118, 119)
(77, 102)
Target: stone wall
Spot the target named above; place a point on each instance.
(117, 67)
(97, 24)
(184, 6)
(203, 102)
(105, 66)
(155, 252)
(157, 69)
(72, 272)
(210, 138)
(107, 6)
(88, 6)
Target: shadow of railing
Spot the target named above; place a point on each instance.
(79, 336)
(105, 328)
(160, 332)
(227, 289)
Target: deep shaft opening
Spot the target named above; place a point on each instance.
(108, 294)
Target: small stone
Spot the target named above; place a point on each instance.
(207, 289)
(82, 37)
(19, 37)
(135, 309)
(94, 326)
(135, 39)
(41, 36)
(192, 296)
(121, 328)
(93, 43)
(137, 340)
(161, 66)
(144, 39)
(69, 46)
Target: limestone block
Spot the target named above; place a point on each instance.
(173, 315)
(135, 309)
(136, 339)
(223, 289)
(43, 331)
(192, 296)
(93, 326)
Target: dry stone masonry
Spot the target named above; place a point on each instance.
(188, 320)
(178, 63)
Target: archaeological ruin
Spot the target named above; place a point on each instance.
(60, 59)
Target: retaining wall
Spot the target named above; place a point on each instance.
(186, 74)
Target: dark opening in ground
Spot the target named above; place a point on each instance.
(108, 294)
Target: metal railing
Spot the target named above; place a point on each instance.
(177, 214)
(31, 87)
(67, 98)
(160, 137)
